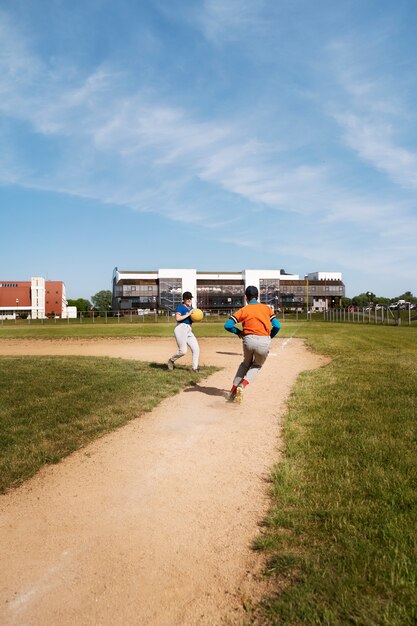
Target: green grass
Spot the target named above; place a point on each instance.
(102, 330)
(51, 406)
(62, 330)
(162, 327)
(341, 536)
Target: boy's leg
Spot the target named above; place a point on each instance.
(180, 334)
(194, 347)
(243, 368)
(260, 350)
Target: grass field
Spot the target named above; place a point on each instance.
(163, 326)
(340, 538)
(51, 406)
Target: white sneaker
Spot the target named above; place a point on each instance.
(239, 394)
(170, 365)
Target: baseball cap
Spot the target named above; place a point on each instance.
(251, 292)
(187, 295)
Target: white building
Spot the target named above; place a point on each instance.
(163, 289)
(324, 276)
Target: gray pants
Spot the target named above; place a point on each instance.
(185, 337)
(255, 351)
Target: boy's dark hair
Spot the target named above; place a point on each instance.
(251, 292)
(187, 295)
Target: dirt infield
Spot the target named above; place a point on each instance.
(151, 524)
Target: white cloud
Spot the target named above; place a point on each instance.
(227, 20)
(19, 70)
(131, 148)
(372, 108)
(132, 130)
(373, 143)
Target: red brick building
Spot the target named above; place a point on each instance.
(36, 298)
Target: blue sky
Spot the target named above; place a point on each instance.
(212, 134)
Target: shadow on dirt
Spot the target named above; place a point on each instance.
(210, 391)
(230, 353)
(163, 366)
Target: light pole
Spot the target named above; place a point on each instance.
(369, 296)
(307, 297)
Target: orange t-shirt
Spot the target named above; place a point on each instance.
(255, 319)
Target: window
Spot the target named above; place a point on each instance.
(170, 293)
(220, 294)
(269, 291)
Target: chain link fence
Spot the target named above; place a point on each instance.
(379, 314)
(107, 317)
(384, 315)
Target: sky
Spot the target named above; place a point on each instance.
(218, 135)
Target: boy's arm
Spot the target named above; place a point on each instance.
(275, 327)
(230, 326)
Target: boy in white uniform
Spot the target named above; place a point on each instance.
(184, 333)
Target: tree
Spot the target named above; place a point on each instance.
(408, 297)
(81, 304)
(102, 300)
(361, 300)
(382, 300)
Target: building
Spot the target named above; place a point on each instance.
(325, 290)
(35, 299)
(156, 290)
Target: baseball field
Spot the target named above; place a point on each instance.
(134, 495)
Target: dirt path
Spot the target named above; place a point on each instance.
(152, 524)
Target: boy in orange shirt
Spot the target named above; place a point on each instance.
(259, 326)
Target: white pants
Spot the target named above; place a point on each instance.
(185, 337)
(255, 351)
